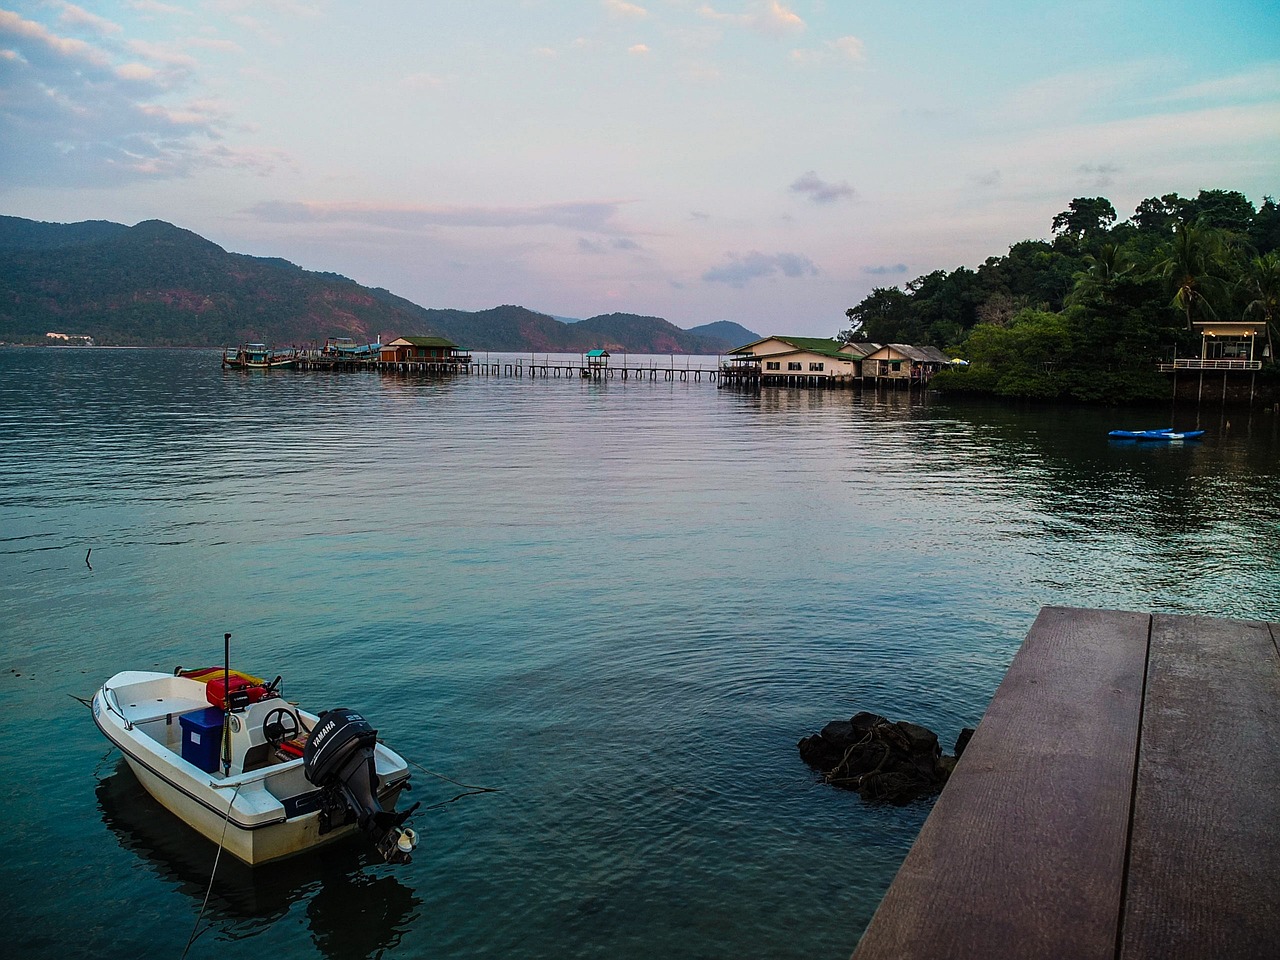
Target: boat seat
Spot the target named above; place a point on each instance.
(175, 709)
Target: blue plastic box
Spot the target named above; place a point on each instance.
(202, 738)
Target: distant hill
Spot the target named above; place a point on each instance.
(159, 285)
(728, 331)
(156, 284)
(19, 234)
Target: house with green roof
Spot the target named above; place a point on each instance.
(423, 350)
(782, 358)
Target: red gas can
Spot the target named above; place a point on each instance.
(215, 691)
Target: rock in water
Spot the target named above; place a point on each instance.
(882, 760)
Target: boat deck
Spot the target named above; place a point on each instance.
(141, 698)
(1119, 800)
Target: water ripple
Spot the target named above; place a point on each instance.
(622, 602)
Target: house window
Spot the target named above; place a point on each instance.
(815, 366)
(772, 365)
(1228, 349)
(795, 365)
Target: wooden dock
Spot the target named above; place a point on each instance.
(725, 375)
(517, 368)
(1120, 799)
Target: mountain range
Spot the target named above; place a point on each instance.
(155, 284)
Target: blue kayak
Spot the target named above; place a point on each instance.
(1171, 435)
(1135, 434)
(1164, 433)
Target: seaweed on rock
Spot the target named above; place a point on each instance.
(882, 760)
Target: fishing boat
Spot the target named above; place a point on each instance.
(226, 753)
(258, 356)
(345, 348)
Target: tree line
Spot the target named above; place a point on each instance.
(1089, 314)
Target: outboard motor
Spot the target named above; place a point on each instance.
(339, 759)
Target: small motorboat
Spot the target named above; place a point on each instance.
(226, 753)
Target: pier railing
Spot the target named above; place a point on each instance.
(1210, 365)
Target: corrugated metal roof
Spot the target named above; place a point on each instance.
(424, 342)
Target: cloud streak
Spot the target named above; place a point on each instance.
(846, 48)
(743, 268)
(770, 18)
(73, 16)
(598, 217)
(821, 191)
(631, 11)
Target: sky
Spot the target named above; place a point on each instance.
(760, 161)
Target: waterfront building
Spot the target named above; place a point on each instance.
(1236, 349)
(903, 362)
(815, 361)
(435, 350)
(796, 360)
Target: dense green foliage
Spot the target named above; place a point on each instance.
(154, 284)
(1089, 314)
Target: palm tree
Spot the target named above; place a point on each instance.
(1262, 282)
(1193, 270)
(1102, 270)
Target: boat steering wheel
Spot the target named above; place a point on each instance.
(279, 725)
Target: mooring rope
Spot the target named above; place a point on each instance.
(221, 840)
(471, 789)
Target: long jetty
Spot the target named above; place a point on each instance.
(1120, 800)
(518, 367)
(532, 368)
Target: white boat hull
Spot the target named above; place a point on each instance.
(262, 845)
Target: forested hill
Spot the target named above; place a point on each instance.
(1089, 314)
(155, 284)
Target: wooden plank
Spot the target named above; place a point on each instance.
(1204, 873)
(1023, 854)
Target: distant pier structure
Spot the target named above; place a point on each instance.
(776, 361)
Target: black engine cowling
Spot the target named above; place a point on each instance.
(339, 758)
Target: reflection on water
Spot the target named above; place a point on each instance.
(621, 602)
(352, 913)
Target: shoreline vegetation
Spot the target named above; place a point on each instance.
(1089, 315)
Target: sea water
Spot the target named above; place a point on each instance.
(618, 603)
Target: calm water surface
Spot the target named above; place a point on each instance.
(621, 603)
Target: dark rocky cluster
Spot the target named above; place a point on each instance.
(880, 759)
